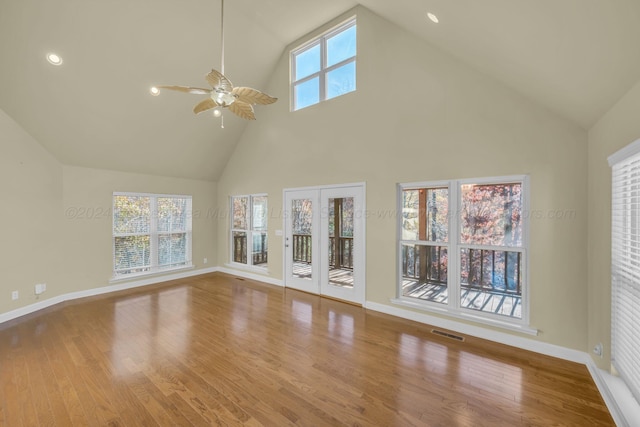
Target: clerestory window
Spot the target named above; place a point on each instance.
(325, 67)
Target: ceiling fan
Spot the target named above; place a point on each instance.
(239, 100)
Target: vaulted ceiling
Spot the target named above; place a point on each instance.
(575, 57)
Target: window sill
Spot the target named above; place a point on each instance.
(466, 316)
(118, 279)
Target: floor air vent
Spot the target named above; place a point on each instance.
(447, 335)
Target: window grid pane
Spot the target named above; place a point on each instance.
(341, 47)
(307, 93)
(486, 273)
(249, 224)
(240, 208)
(341, 80)
(425, 272)
(150, 233)
(491, 214)
(308, 62)
(326, 69)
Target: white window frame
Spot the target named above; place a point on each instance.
(452, 307)
(154, 267)
(249, 232)
(625, 299)
(324, 70)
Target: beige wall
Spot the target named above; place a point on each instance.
(617, 128)
(30, 216)
(87, 220)
(56, 223)
(418, 114)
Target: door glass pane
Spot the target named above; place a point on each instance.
(302, 227)
(340, 217)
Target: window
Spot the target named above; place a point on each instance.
(151, 233)
(462, 247)
(625, 265)
(325, 67)
(249, 230)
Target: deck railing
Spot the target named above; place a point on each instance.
(259, 252)
(302, 250)
(490, 270)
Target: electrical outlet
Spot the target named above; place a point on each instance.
(206, 260)
(15, 295)
(40, 288)
(597, 350)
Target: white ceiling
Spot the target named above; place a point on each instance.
(576, 57)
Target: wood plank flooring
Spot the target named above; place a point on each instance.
(218, 350)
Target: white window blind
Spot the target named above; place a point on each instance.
(151, 233)
(625, 265)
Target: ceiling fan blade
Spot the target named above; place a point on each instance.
(205, 105)
(218, 81)
(242, 109)
(253, 96)
(187, 89)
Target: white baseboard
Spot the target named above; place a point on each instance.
(484, 333)
(32, 308)
(251, 276)
(623, 407)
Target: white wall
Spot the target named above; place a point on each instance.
(619, 127)
(419, 114)
(30, 216)
(88, 223)
(56, 220)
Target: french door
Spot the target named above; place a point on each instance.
(324, 241)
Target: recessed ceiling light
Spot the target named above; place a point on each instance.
(433, 18)
(54, 59)
(154, 91)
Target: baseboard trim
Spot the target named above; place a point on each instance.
(484, 333)
(624, 408)
(620, 403)
(32, 308)
(251, 276)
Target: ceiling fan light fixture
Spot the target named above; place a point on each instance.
(54, 58)
(432, 17)
(223, 98)
(239, 100)
(154, 91)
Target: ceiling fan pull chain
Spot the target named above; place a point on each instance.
(222, 37)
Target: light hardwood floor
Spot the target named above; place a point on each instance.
(218, 350)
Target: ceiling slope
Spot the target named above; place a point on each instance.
(576, 57)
